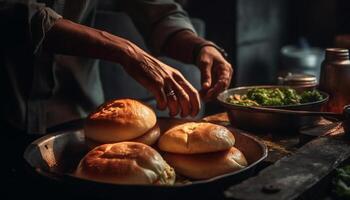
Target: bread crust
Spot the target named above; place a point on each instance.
(196, 137)
(119, 120)
(125, 163)
(209, 165)
(149, 138)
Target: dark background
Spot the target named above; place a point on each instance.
(253, 31)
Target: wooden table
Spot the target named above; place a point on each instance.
(299, 166)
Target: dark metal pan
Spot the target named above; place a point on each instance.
(55, 156)
(269, 120)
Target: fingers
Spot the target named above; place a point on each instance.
(183, 99)
(223, 74)
(156, 88)
(218, 87)
(194, 100)
(205, 65)
(159, 79)
(171, 98)
(216, 72)
(161, 100)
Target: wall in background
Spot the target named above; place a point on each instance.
(251, 31)
(260, 32)
(320, 22)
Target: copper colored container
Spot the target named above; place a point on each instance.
(300, 82)
(343, 41)
(269, 121)
(335, 79)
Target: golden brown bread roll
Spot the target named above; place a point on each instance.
(196, 137)
(149, 138)
(208, 165)
(119, 120)
(125, 163)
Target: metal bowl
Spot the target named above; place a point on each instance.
(55, 157)
(246, 118)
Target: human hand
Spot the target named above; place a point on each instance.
(167, 84)
(216, 72)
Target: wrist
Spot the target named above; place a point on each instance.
(132, 55)
(182, 44)
(197, 49)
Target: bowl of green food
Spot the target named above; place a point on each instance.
(243, 103)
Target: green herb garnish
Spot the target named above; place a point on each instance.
(274, 97)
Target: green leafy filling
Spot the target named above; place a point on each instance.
(274, 97)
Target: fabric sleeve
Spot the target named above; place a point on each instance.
(157, 20)
(25, 22)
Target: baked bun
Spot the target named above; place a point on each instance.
(149, 138)
(209, 165)
(119, 120)
(125, 163)
(196, 137)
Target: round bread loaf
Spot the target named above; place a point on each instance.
(209, 165)
(119, 120)
(196, 137)
(125, 163)
(149, 138)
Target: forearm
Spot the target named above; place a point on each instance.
(70, 38)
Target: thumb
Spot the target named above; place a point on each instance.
(206, 79)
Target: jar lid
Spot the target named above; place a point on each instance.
(298, 79)
(337, 54)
